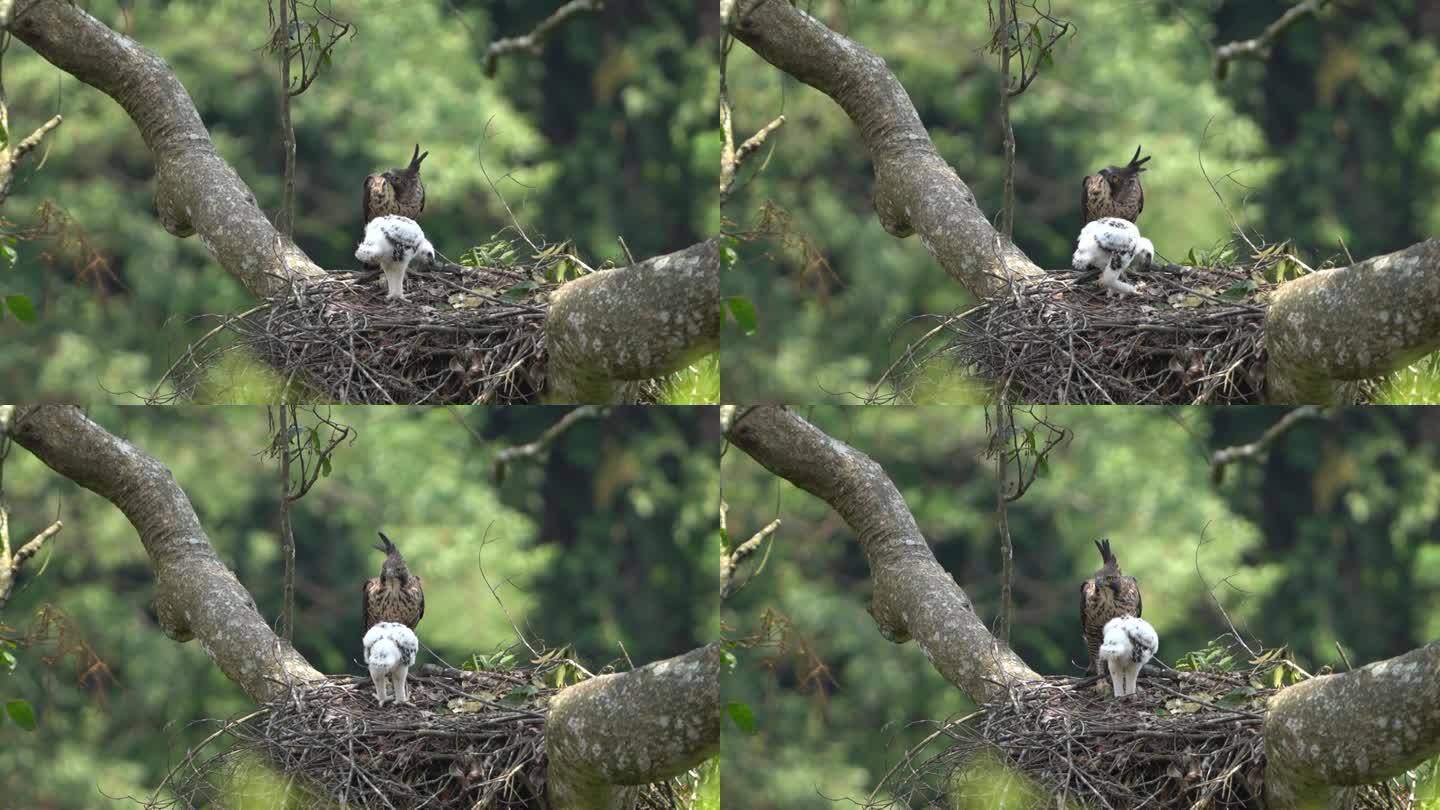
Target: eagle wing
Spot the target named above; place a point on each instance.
(1139, 204)
(1087, 621)
(368, 592)
(1087, 190)
(419, 590)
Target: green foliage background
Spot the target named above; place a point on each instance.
(1332, 538)
(1336, 138)
(608, 132)
(607, 541)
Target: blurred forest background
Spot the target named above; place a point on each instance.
(609, 132)
(607, 541)
(1336, 137)
(1330, 540)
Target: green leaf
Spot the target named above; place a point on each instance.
(1239, 290)
(7, 660)
(743, 312)
(727, 257)
(7, 254)
(519, 695)
(741, 716)
(519, 292)
(21, 712)
(21, 306)
(727, 660)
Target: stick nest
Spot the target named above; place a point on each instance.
(1191, 336)
(472, 739)
(464, 335)
(1188, 739)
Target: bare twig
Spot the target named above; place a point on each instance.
(730, 563)
(289, 39)
(731, 157)
(297, 445)
(1225, 456)
(503, 459)
(12, 152)
(1004, 427)
(10, 564)
(532, 41)
(1258, 48)
(1008, 43)
(1002, 36)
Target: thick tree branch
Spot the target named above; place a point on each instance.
(916, 191)
(1356, 728)
(632, 323)
(914, 597)
(608, 734)
(196, 191)
(196, 594)
(1352, 323)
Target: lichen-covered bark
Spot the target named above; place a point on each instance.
(916, 191)
(1351, 729)
(607, 735)
(196, 595)
(913, 596)
(1351, 323)
(632, 323)
(196, 191)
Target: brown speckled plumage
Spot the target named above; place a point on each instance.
(1107, 595)
(396, 595)
(397, 191)
(1114, 191)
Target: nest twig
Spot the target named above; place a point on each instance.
(1185, 740)
(1192, 335)
(471, 740)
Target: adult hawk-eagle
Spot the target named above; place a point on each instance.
(397, 191)
(1114, 191)
(396, 595)
(1107, 595)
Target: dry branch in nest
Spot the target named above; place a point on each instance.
(1191, 336)
(1186, 739)
(472, 739)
